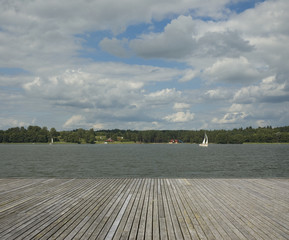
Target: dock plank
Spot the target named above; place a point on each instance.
(149, 208)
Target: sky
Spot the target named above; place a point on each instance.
(144, 64)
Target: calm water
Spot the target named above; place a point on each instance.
(144, 160)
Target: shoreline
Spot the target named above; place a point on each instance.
(98, 143)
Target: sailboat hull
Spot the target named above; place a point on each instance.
(203, 145)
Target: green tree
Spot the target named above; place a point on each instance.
(90, 136)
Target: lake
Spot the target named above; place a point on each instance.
(144, 160)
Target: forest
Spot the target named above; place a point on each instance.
(36, 134)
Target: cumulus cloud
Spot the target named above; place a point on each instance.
(268, 90)
(229, 118)
(175, 42)
(80, 121)
(102, 85)
(106, 92)
(36, 34)
(273, 13)
(250, 114)
(181, 40)
(179, 105)
(163, 97)
(218, 94)
(180, 117)
(222, 44)
(189, 75)
(59, 47)
(76, 120)
(232, 70)
(6, 123)
(234, 115)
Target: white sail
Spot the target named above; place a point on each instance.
(205, 142)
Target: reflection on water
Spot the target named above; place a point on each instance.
(144, 160)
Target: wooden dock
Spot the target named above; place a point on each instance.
(144, 208)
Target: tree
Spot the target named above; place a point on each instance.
(222, 138)
(90, 136)
(53, 133)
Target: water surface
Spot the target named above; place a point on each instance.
(144, 160)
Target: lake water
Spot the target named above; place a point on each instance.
(144, 160)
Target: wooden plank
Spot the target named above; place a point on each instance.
(157, 211)
(231, 226)
(144, 209)
(136, 226)
(30, 212)
(144, 212)
(79, 218)
(200, 225)
(268, 218)
(119, 233)
(67, 205)
(174, 211)
(96, 203)
(166, 225)
(101, 208)
(129, 230)
(240, 211)
(113, 213)
(75, 198)
(150, 212)
(185, 222)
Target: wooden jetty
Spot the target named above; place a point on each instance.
(144, 208)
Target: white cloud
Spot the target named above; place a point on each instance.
(253, 114)
(268, 90)
(178, 105)
(175, 42)
(189, 75)
(41, 33)
(80, 121)
(273, 13)
(107, 92)
(218, 94)
(35, 83)
(6, 123)
(262, 123)
(65, 73)
(232, 117)
(163, 97)
(102, 85)
(164, 93)
(180, 117)
(75, 120)
(231, 70)
(181, 40)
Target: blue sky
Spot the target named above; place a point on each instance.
(140, 64)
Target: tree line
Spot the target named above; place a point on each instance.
(36, 134)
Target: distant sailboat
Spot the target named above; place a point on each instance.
(51, 141)
(205, 142)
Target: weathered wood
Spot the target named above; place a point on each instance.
(144, 208)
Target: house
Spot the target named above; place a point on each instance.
(175, 141)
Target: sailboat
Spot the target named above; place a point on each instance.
(51, 141)
(205, 142)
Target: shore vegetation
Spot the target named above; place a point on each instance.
(36, 134)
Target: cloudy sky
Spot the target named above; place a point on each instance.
(144, 64)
